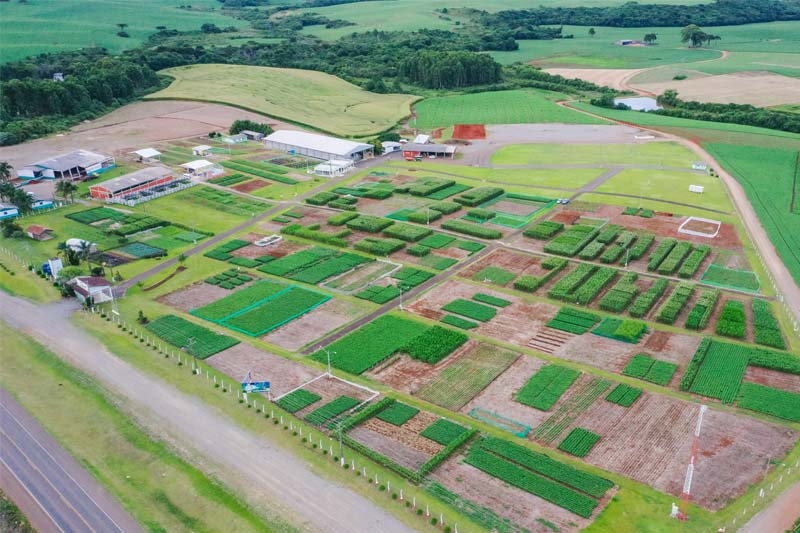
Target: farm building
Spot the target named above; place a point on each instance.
(38, 203)
(390, 146)
(252, 135)
(334, 167)
(201, 169)
(135, 182)
(8, 211)
(39, 233)
(79, 245)
(422, 139)
(413, 150)
(75, 165)
(317, 146)
(235, 139)
(52, 267)
(201, 151)
(94, 287)
(147, 155)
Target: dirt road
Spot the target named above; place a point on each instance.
(238, 456)
(779, 516)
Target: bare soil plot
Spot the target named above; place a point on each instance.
(508, 502)
(498, 397)
(469, 131)
(758, 88)
(513, 262)
(195, 295)
(616, 78)
(773, 378)
(283, 374)
(376, 272)
(404, 445)
(329, 316)
(250, 186)
(279, 249)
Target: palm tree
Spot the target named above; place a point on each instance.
(66, 188)
(85, 251)
(5, 171)
(22, 200)
(6, 191)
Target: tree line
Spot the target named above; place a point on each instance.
(635, 15)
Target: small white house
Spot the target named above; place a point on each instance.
(390, 146)
(8, 211)
(422, 139)
(201, 169)
(201, 151)
(94, 287)
(147, 155)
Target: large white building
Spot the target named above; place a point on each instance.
(317, 146)
(74, 165)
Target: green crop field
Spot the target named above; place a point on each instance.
(672, 186)
(408, 15)
(32, 28)
(316, 99)
(497, 107)
(771, 198)
(668, 154)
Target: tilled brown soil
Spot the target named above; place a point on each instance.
(773, 378)
(329, 316)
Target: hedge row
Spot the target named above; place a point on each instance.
(669, 311)
(645, 301)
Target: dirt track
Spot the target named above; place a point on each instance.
(239, 457)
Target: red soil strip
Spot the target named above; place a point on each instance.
(469, 131)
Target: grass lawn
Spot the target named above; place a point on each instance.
(765, 174)
(161, 490)
(671, 186)
(283, 191)
(497, 107)
(647, 203)
(562, 178)
(32, 28)
(179, 208)
(668, 154)
(319, 100)
(25, 283)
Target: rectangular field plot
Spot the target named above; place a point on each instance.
(461, 381)
(545, 387)
(579, 442)
(775, 402)
(198, 341)
(577, 491)
(716, 370)
(331, 410)
(298, 400)
(239, 301)
(726, 278)
(275, 312)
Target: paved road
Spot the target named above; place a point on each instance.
(244, 458)
(50, 487)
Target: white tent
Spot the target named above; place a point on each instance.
(334, 167)
(147, 154)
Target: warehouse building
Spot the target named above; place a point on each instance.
(415, 151)
(144, 180)
(317, 146)
(75, 165)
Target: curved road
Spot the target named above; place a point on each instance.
(50, 487)
(284, 480)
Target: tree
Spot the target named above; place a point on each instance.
(22, 200)
(5, 171)
(10, 229)
(122, 32)
(210, 28)
(668, 99)
(692, 33)
(6, 191)
(592, 32)
(650, 38)
(66, 189)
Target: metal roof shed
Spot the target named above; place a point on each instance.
(317, 146)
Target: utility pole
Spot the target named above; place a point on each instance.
(328, 353)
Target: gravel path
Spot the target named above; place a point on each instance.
(285, 481)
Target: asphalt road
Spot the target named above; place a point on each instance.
(281, 480)
(50, 487)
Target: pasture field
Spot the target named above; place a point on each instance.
(319, 100)
(670, 185)
(497, 107)
(771, 198)
(768, 47)
(667, 154)
(32, 28)
(409, 15)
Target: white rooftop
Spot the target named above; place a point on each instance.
(147, 153)
(201, 148)
(197, 164)
(321, 143)
(78, 158)
(422, 139)
(139, 177)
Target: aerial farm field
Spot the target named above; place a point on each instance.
(307, 97)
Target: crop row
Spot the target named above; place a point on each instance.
(298, 400)
(531, 482)
(376, 246)
(424, 186)
(377, 294)
(579, 442)
(331, 410)
(478, 195)
(197, 340)
(397, 413)
(766, 330)
(564, 287)
(645, 301)
(474, 230)
(491, 300)
(626, 239)
(643, 243)
(546, 386)
(333, 239)
(328, 267)
(591, 250)
(692, 263)
(624, 330)
(620, 296)
(775, 402)
(716, 370)
(731, 321)
(96, 214)
(609, 233)
(669, 310)
(276, 311)
(675, 258)
(251, 168)
(407, 232)
(660, 253)
(410, 277)
(435, 344)
(644, 367)
(473, 310)
(702, 309)
(624, 395)
(530, 283)
(573, 320)
(443, 431)
(239, 301)
(571, 241)
(544, 230)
